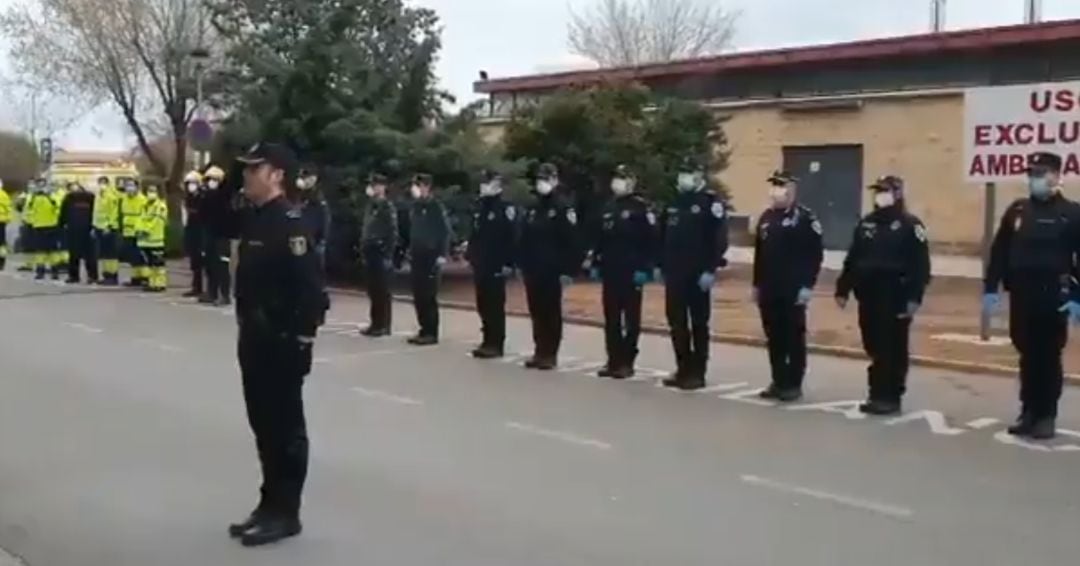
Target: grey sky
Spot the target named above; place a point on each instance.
(514, 37)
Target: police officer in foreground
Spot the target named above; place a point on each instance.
(194, 232)
(888, 268)
(77, 220)
(316, 211)
(695, 240)
(624, 259)
(1035, 256)
(279, 305)
(788, 252)
(550, 256)
(492, 242)
(429, 246)
(378, 243)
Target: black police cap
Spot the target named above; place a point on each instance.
(547, 171)
(887, 183)
(691, 164)
(623, 172)
(423, 179)
(377, 179)
(276, 155)
(781, 178)
(489, 175)
(1044, 161)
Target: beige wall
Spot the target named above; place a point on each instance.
(917, 138)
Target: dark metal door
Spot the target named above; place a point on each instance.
(831, 184)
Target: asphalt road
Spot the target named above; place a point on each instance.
(124, 443)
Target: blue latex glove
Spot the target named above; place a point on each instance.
(706, 282)
(507, 272)
(658, 275)
(640, 278)
(991, 302)
(594, 274)
(804, 297)
(566, 280)
(1073, 308)
(912, 308)
(440, 262)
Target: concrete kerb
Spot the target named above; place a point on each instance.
(742, 340)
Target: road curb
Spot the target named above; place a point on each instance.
(740, 340)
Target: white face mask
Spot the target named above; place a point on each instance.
(620, 186)
(490, 189)
(545, 187)
(884, 199)
(369, 191)
(416, 191)
(151, 195)
(192, 187)
(688, 182)
(213, 183)
(131, 190)
(778, 196)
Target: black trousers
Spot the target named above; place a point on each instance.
(622, 319)
(784, 323)
(107, 246)
(491, 305)
(82, 250)
(378, 273)
(195, 250)
(3, 245)
(273, 371)
(216, 262)
(885, 336)
(688, 312)
(425, 288)
(543, 292)
(1039, 333)
(131, 253)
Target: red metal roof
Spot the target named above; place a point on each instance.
(956, 41)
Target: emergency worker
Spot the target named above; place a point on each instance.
(106, 227)
(378, 244)
(888, 268)
(6, 216)
(43, 214)
(77, 220)
(132, 207)
(151, 240)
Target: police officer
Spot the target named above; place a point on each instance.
(194, 231)
(5, 219)
(106, 224)
(429, 245)
(550, 255)
(491, 255)
(218, 213)
(888, 267)
(279, 303)
(624, 259)
(77, 219)
(788, 253)
(378, 243)
(695, 241)
(1035, 255)
(132, 206)
(316, 211)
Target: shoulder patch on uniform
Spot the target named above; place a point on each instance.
(298, 245)
(920, 232)
(511, 213)
(651, 217)
(571, 216)
(816, 227)
(718, 210)
(294, 213)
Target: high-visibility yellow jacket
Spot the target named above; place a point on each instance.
(59, 195)
(42, 211)
(131, 213)
(5, 207)
(107, 209)
(152, 227)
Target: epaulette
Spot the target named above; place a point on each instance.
(294, 213)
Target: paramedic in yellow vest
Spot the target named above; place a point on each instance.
(106, 225)
(151, 239)
(26, 238)
(5, 219)
(43, 214)
(60, 256)
(132, 206)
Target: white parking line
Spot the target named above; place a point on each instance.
(888, 510)
(164, 347)
(388, 397)
(568, 437)
(358, 355)
(83, 327)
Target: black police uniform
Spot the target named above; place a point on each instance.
(1035, 255)
(429, 240)
(317, 219)
(219, 213)
(77, 222)
(695, 240)
(378, 243)
(491, 250)
(550, 248)
(888, 267)
(788, 252)
(279, 306)
(194, 239)
(626, 245)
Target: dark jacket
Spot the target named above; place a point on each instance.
(1038, 242)
(626, 237)
(889, 248)
(695, 235)
(550, 239)
(788, 252)
(380, 228)
(493, 237)
(317, 217)
(429, 228)
(77, 211)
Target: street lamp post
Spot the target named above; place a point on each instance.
(199, 55)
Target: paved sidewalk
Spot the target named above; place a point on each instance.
(966, 267)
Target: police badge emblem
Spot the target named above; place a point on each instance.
(298, 245)
(626, 215)
(491, 216)
(895, 225)
(695, 209)
(551, 213)
(651, 217)
(816, 226)
(920, 232)
(571, 217)
(1018, 224)
(510, 213)
(718, 210)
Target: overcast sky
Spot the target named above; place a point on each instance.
(515, 37)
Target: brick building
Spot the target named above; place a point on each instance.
(839, 115)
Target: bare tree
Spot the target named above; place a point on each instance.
(134, 54)
(635, 32)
